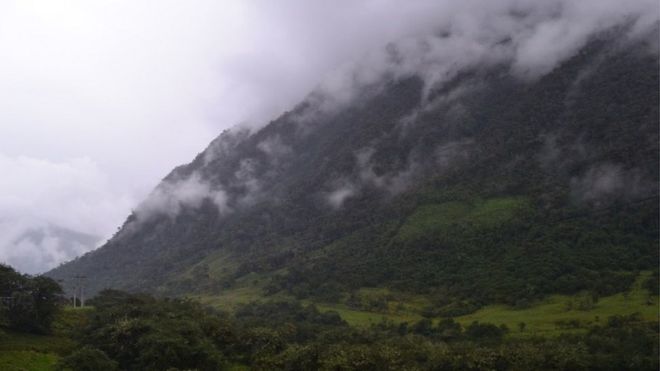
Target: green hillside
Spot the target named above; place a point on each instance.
(537, 188)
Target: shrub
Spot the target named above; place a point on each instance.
(87, 359)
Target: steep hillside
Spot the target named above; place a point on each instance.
(484, 188)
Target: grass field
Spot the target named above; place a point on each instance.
(438, 219)
(554, 315)
(247, 289)
(21, 351)
(364, 318)
(230, 299)
(16, 341)
(21, 360)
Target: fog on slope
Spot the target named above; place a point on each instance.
(528, 38)
(103, 98)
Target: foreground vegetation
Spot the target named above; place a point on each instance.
(138, 332)
(122, 331)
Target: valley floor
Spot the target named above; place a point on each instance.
(21, 351)
(552, 316)
(548, 318)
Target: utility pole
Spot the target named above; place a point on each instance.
(82, 291)
(79, 290)
(75, 290)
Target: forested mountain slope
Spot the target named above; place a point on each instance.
(483, 187)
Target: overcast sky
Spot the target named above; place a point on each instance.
(101, 99)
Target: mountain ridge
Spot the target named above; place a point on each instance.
(325, 200)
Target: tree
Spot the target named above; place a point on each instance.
(46, 294)
(31, 302)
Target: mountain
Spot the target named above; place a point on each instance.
(36, 247)
(483, 186)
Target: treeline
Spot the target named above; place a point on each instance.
(139, 332)
(28, 303)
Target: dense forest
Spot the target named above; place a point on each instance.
(28, 303)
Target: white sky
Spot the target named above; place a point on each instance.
(100, 99)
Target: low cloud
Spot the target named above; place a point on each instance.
(248, 183)
(340, 193)
(225, 144)
(33, 246)
(453, 153)
(606, 182)
(365, 176)
(171, 196)
(531, 38)
(38, 197)
(392, 182)
(242, 189)
(274, 148)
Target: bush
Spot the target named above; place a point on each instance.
(485, 332)
(87, 359)
(33, 301)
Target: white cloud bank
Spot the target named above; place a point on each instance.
(37, 196)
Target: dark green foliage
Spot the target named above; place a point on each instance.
(87, 359)
(424, 327)
(377, 350)
(283, 311)
(485, 332)
(448, 330)
(653, 283)
(28, 303)
(623, 343)
(140, 332)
